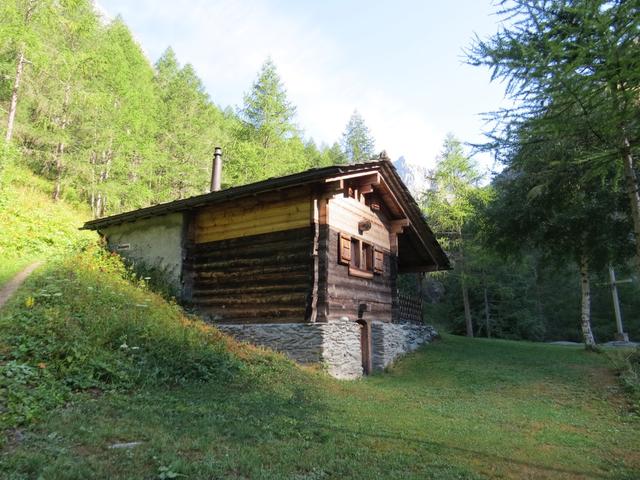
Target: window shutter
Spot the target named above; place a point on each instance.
(345, 249)
(378, 261)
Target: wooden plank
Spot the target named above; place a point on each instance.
(254, 315)
(247, 218)
(255, 228)
(241, 215)
(254, 302)
(279, 258)
(282, 270)
(345, 213)
(224, 290)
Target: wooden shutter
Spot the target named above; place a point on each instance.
(345, 249)
(378, 261)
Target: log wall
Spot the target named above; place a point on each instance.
(343, 293)
(266, 278)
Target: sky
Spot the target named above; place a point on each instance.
(399, 63)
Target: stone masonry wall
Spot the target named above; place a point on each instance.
(341, 349)
(336, 344)
(391, 340)
(301, 342)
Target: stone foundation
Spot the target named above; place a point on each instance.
(391, 340)
(335, 344)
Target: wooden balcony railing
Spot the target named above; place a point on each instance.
(410, 308)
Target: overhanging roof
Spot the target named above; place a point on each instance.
(418, 237)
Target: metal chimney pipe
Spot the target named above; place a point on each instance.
(216, 172)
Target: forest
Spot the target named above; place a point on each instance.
(532, 244)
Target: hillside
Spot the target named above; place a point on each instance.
(34, 227)
(90, 357)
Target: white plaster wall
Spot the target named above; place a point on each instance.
(156, 242)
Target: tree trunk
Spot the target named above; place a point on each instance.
(59, 167)
(13, 106)
(587, 334)
(631, 183)
(465, 297)
(487, 318)
(60, 147)
(536, 280)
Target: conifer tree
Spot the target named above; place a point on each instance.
(357, 143)
(582, 57)
(450, 206)
(266, 110)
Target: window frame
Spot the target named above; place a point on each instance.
(362, 258)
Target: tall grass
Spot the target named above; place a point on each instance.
(86, 322)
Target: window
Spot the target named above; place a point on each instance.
(362, 258)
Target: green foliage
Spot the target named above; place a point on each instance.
(80, 324)
(572, 67)
(267, 111)
(452, 201)
(33, 228)
(357, 143)
(462, 409)
(113, 131)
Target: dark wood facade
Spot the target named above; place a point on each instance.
(312, 247)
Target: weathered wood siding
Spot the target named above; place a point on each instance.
(265, 278)
(250, 261)
(339, 293)
(271, 212)
(344, 292)
(344, 213)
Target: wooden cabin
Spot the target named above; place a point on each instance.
(270, 260)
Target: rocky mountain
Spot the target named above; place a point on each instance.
(413, 175)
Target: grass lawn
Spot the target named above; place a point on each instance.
(457, 409)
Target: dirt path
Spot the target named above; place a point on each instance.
(15, 282)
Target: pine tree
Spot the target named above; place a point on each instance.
(357, 143)
(545, 200)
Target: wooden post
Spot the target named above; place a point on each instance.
(621, 336)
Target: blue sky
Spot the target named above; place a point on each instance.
(399, 63)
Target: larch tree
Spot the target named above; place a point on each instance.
(582, 56)
(544, 199)
(267, 110)
(357, 143)
(450, 205)
(19, 39)
(190, 127)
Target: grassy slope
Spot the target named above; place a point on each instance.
(89, 357)
(32, 226)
